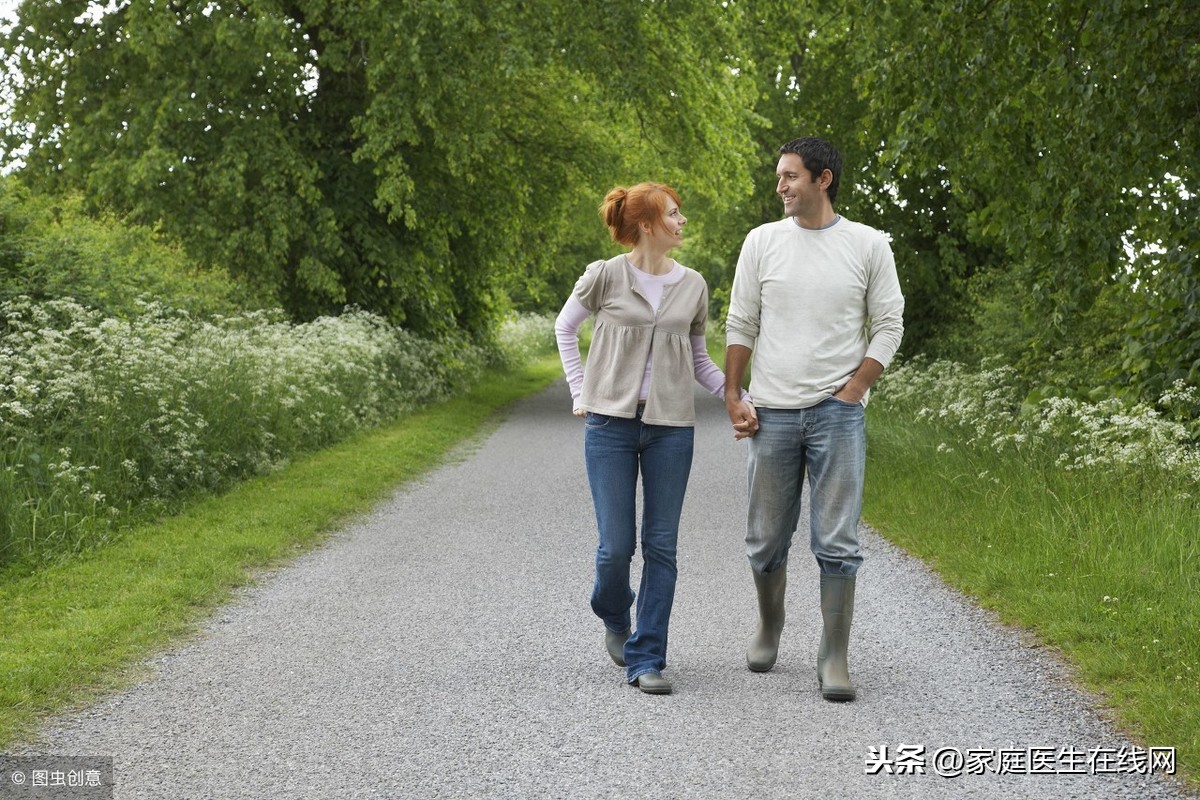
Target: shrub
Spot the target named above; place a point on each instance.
(50, 248)
(986, 406)
(523, 337)
(103, 419)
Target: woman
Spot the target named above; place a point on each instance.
(637, 400)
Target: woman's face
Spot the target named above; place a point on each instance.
(669, 229)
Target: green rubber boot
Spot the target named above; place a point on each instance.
(764, 646)
(614, 643)
(837, 611)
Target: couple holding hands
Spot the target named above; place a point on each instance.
(817, 301)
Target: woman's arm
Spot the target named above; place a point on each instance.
(566, 332)
(708, 374)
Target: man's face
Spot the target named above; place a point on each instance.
(801, 195)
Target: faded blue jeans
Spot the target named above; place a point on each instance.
(615, 450)
(828, 443)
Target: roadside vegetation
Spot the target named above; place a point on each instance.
(106, 421)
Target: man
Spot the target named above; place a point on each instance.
(817, 301)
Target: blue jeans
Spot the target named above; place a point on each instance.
(615, 449)
(828, 442)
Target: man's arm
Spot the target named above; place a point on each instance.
(856, 388)
(741, 332)
(885, 312)
(741, 413)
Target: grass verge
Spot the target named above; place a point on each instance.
(1102, 566)
(78, 629)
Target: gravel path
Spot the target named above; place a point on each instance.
(443, 647)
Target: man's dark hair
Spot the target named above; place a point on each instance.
(818, 155)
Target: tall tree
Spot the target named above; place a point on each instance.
(412, 158)
(1063, 129)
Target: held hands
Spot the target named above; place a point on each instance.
(744, 418)
(742, 414)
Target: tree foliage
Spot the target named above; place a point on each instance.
(50, 249)
(410, 158)
(1064, 130)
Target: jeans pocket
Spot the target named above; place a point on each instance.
(594, 420)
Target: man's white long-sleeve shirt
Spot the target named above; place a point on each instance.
(812, 304)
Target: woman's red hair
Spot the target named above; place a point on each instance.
(624, 210)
